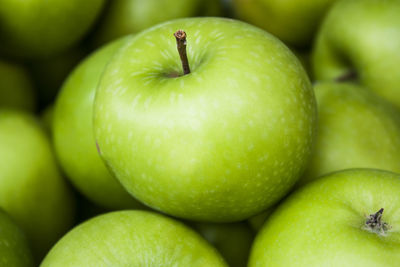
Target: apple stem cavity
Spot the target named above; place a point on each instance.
(180, 36)
(347, 77)
(375, 224)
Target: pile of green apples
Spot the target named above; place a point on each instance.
(200, 133)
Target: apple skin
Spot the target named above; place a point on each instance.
(356, 129)
(232, 240)
(194, 146)
(38, 29)
(132, 238)
(73, 134)
(361, 36)
(16, 87)
(14, 248)
(124, 17)
(32, 190)
(322, 224)
(295, 22)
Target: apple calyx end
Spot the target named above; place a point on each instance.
(375, 224)
(180, 36)
(349, 76)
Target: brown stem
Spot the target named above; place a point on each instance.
(180, 36)
(375, 224)
(348, 76)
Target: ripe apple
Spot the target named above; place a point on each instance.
(14, 248)
(16, 88)
(232, 240)
(37, 28)
(132, 238)
(220, 144)
(293, 21)
(124, 17)
(32, 191)
(356, 129)
(348, 219)
(360, 40)
(73, 135)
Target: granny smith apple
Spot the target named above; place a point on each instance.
(14, 247)
(232, 240)
(356, 129)
(73, 135)
(348, 219)
(359, 40)
(221, 143)
(32, 191)
(132, 238)
(16, 87)
(38, 29)
(124, 17)
(293, 21)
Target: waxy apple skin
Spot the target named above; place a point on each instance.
(32, 190)
(39, 29)
(356, 129)
(14, 247)
(295, 22)
(220, 144)
(132, 238)
(73, 134)
(361, 37)
(323, 223)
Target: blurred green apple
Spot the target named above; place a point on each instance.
(356, 129)
(221, 143)
(347, 219)
(16, 88)
(360, 40)
(132, 238)
(124, 17)
(295, 22)
(232, 240)
(73, 135)
(39, 28)
(14, 247)
(32, 191)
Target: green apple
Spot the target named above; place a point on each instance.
(293, 21)
(356, 129)
(221, 143)
(132, 238)
(124, 17)
(335, 221)
(32, 191)
(232, 240)
(360, 40)
(73, 135)
(38, 28)
(16, 87)
(14, 247)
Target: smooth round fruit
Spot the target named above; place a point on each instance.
(132, 238)
(328, 223)
(220, 144)
(356, 129)
(73, 134)
(16, 88)
(14, 248)
(360, 40)
(38, 28)
(32, 190)
(293, 21)
(124, 17)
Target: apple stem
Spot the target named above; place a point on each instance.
(375, 224)
(180, 36)
(348, 76)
